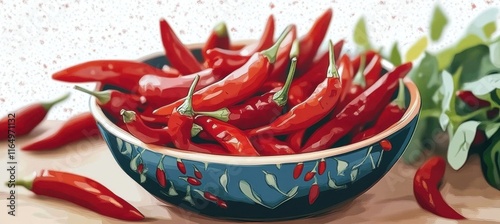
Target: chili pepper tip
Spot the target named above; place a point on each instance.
(272, 52)
(332, 68)
(128, 115)
(49, 104)
(102, 96)
(221, 29)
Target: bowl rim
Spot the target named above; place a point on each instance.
(412, 111)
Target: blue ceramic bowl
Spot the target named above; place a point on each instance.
(259, 188)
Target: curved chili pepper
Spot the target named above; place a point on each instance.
(296, 139)
(179, 56)
(256, 111)
(471, 100)
(311, 41)
(359, 111)
(112, 101)
(24, 120)
(76, 128)
(271, 86)
(426, 189)
(391, 114)
(180, 126)
(119, 73)
(305, 82)
(82, 191)
(219, 38)
(137, 127)
(226, 61)
(313, 109)
(372, 69)
(230, 137)
(238, 85)
(163, 90)
(271, 147)
(345, 68)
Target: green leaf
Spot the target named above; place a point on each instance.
(416, 50)
(495, 53)
(490, 129)
(361, 35)
(475, 62)
(395, 56)
(489, 29)
(447, 90)
(426, 77)
(468, 41)
(458, 149)
(490, 162)
(438, 23)
(484, 85)
(445, 57)
(484, 19)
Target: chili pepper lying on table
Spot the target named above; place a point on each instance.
(312, 110)
(303, 86)
(426, 188)
(24, 120)
(219, 38)
(118, 73)
(226, 61)
(389, 116)
(271, 146)
(256, 111)
(179, 56)
(82, 191)
(235, 141)
(359, 111)
(76, 128)
(235, 87)
(180, 126)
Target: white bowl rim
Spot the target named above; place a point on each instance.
(411, 112)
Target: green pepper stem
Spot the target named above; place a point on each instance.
(220, 114)
(50, 104)
(332, 71)
(272, 52)
(128, 116)
(281, 97)
(400, 100)
(186, 108)
(221, 29)
(28, 184)
(196, 130)
(359, 79)
(295, 49)
(102, 96)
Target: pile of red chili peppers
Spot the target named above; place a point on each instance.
(273, 97)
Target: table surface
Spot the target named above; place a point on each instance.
(389, 201)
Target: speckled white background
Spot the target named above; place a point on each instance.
(40, 37)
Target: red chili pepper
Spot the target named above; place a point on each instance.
(311, 41)
(271, 146)
(226, 61)
(222, 203)
(309, 175)
(161, 177)
(119, 73)
(471, 100)
(271, 86)
(191, 180)
(372, 69)
(238, 85)
(313, 192)
(347, 72)
(137, 127)
(279, 68)
(76, 128)
(357, 86)
(256, 111)
(209, 196)
(386, 145)
(180, 166)
(297, 171)
(179, 56)
(82, 191)
(24, 120)
(391, 114)
(140, 168)
(426, 190)
(479, 138)
(113, 101)
(197, 173)
(359, 111)
(296, 139)
(305, 82)
(154, 120)
(163, 90)
(219, 38)
(321, 167)
(310, 111)
(231, 138)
